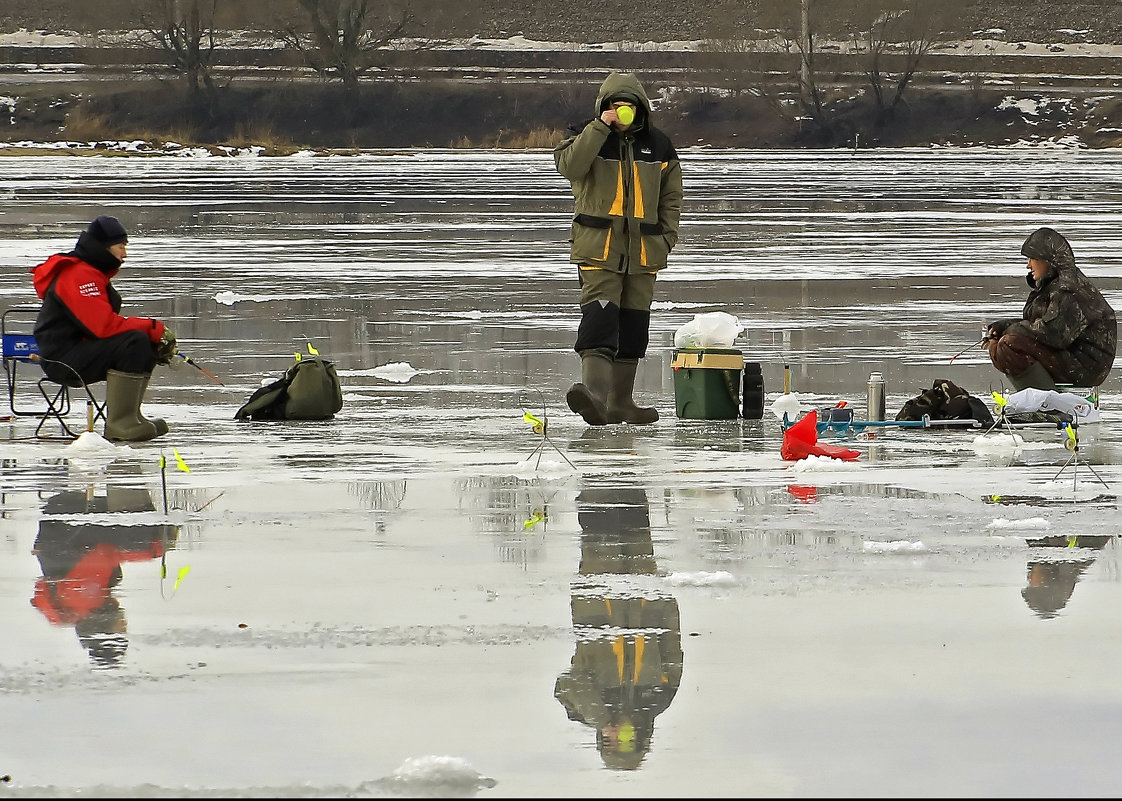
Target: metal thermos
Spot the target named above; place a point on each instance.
(875, 409)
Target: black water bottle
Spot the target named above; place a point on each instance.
(753, 392)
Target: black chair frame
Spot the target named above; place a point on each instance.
(19, 347)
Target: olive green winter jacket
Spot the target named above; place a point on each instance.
(627, 186)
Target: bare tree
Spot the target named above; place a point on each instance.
(799, 25)
(902, 31)
(183, 32)
(187, 39)
(345, 39)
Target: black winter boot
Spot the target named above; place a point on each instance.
(1035, 376)
(123, 394)
(589, 398)
(621, 405)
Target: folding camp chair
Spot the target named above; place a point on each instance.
(19, 347)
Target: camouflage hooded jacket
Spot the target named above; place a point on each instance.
(627, 186)
(1065, 311)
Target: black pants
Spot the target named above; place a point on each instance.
(91, 359)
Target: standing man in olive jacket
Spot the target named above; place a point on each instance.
(1067, 332)
(627, 187)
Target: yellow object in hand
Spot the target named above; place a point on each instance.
(625, 114)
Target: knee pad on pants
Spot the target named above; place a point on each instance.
(634, 333)
(599, 327)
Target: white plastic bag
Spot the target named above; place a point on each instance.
(1031, 399)
(708, 330)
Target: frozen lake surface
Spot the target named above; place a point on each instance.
(407, 600)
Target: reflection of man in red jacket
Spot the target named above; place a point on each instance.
(81, 564)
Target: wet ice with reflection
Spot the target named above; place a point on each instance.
(399, 583)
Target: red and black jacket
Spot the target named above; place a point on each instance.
(79, 303)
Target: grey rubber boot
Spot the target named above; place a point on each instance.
(589, 397)
(123, 394)
(160, 424)
(1036, 377)
(621, 405)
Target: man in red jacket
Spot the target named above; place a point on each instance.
(82, 336)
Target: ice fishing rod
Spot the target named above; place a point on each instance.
(977, 344)
(191, 362)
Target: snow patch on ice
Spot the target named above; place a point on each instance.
(91, 443)
(1034, 523)
(823, 464)
(398, 372)
(446, 771)
(1008, 442)
(998, 442)
(230, 298)
(895, 546)
(701, 578)
(535, 465)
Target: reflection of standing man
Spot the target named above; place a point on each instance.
(628, 660)
(81, 564)
(627, 188)
(1050, 583)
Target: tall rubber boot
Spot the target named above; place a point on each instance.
(621, 406)
(589, 397)
(123, 394)
(1035, 376)
(160, 424)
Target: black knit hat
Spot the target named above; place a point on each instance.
(625, 95)
(630, 97)
(107, 230)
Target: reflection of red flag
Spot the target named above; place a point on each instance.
(801, 441)
(804, 494)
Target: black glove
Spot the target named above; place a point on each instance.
(167, 347)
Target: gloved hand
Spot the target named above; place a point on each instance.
(167, 347)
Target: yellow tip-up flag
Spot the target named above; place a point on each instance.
(182, 465)
(998, 399)
(312, 350)
(183, 571)
(536, 422)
